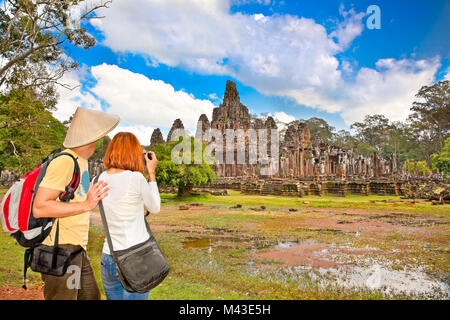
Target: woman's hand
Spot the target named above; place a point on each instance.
(96, 193)
(151, 164)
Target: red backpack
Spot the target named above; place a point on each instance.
(17, 204)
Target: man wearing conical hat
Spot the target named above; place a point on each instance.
(85, 134)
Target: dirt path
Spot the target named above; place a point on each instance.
(18, 293)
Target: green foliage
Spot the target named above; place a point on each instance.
(184, 176)
(345, 140)
(442, 159)
(420, 165)
(320, 128)
(32, 35)
(100, 153)
(28, 132)
(387, 138)
(374, 130)
(430, 120)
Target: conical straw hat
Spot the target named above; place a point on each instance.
(88, 126)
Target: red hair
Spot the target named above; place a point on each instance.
(124, 152)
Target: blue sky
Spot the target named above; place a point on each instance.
(157, 61)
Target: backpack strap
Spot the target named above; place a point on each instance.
(69, 192)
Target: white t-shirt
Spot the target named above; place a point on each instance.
(128, 193)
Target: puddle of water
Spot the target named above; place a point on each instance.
(226, 241)
(285, 244)
(378, 277)
(413, 282)
(373, 275)
(198, 242)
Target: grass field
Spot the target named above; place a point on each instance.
(354, 247)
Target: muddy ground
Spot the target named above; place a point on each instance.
(297, 251)
(394, 253)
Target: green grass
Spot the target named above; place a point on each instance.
(371, 202)
(223, 273)
(11, 263)
(191, 276)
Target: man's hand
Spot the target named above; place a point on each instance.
(96, 193)
(46, 206)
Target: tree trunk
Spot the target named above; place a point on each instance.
(184, 191)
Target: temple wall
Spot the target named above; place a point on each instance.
(287, 187)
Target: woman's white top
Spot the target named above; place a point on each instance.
(128, 193)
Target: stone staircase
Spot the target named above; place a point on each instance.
(272, 187)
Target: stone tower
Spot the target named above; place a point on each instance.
(203, 125)
(231, 114)
(177, 124)
(156, 138)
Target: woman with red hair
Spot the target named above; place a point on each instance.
(124, 207)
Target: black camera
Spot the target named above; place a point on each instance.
(149, 156)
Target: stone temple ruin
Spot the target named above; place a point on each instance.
(307, 165)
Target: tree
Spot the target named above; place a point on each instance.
(345, 140)
(183, 176)
(28, 132)
(430, 120)
(374, 131)
(32, 61)
(32, 33)
(321, 128)
(419, 165)
(442, 159)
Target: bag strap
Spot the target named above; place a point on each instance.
(105, 223)
(55, 246)
(26, 263)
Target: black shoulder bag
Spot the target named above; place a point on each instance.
(140, 267)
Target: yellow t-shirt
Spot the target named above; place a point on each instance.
(75, 229)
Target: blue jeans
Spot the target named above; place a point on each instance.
(111, 283)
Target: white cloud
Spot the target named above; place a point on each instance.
(213, 97)
(141, 103)
(447, 75)
(139, 100)
(70, 99)
(388, 90)
(283, 117)
(281, 55)
(143, 133)
(260, 2)
(257, 50)
(349, 28)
